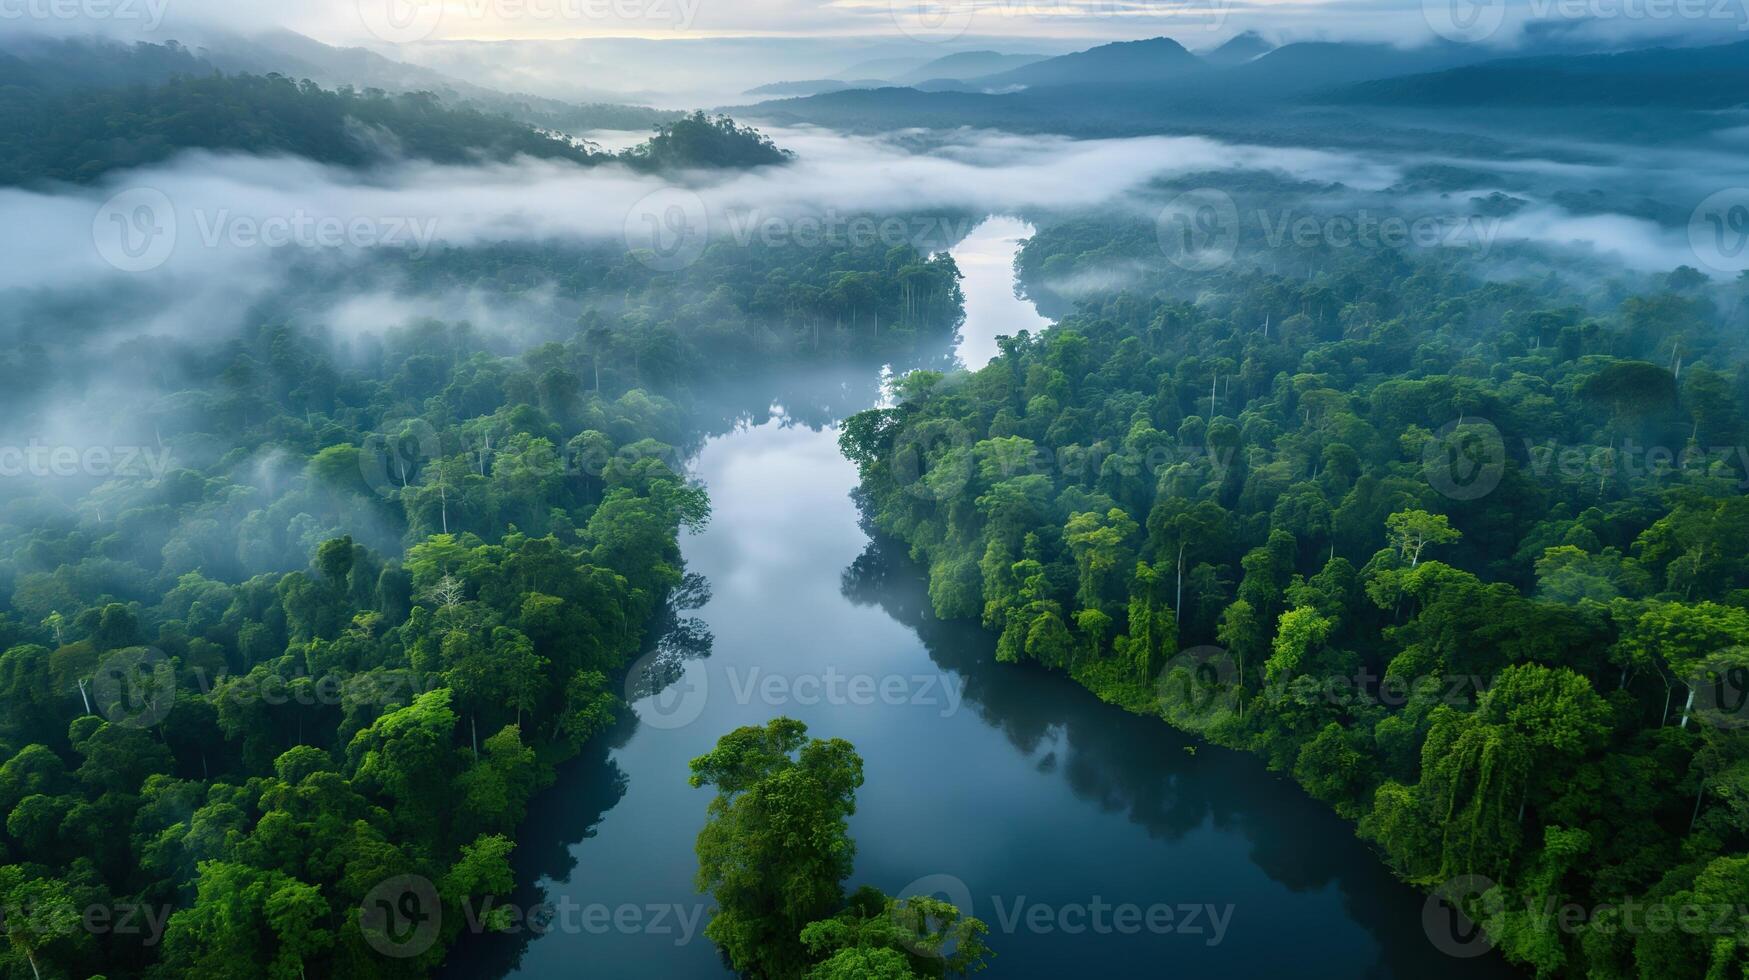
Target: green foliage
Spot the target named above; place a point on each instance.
(775, 848)
(699, 140)
(1513, 678)
(82, 134)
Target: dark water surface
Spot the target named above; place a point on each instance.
(1007, 784)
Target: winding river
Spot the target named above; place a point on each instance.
(1091, 841)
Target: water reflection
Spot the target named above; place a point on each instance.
(1021, 786)
(1174, 789)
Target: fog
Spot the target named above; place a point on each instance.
(233, 234)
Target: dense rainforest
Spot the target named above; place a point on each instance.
(1466, 553)
(360, 593)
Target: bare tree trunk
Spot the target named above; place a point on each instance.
(1178, 600)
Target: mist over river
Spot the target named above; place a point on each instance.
(1092, 842)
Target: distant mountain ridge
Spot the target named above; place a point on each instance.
(1147, 62)
(1713, 77)
(1237, 50)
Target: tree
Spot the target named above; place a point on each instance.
(1682, 637)
(775, 847)
(35, 913)
(1413, 530)
(1298, 634)
(909, 937)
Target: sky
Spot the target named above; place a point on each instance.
(1055, 24)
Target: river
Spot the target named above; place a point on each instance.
(1067, 823)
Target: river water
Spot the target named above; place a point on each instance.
(1074, 829)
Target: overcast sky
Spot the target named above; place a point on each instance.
(1197, 23)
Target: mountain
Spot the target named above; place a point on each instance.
(1707, 78)
(1124, 63)
(1237, 50)
(815, 86)
(1310, 65)
(881, 68)
(967, 65)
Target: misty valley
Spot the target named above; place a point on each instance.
(814, 491)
